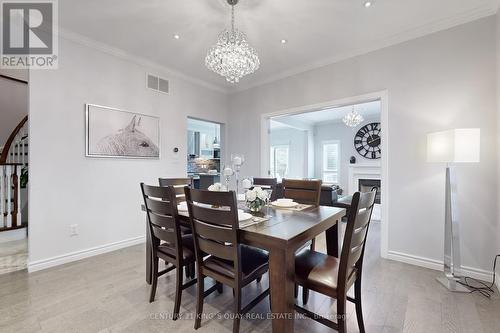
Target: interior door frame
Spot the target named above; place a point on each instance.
(383, 97)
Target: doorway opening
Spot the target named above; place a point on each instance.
(204, 153)
(14, 148)
(318, 142)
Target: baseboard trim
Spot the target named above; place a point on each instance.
(437, 265)
(78, 255)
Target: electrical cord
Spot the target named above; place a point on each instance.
(483, 289)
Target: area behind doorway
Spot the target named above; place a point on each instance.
(314, 142)
(14, 146)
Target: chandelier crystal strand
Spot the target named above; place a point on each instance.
(353, 119)
(231, 56)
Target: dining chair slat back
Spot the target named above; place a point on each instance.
(302, 191)
(356, 231)
(167, 242)
(217, 216)
(271, 183)
(161, 212)
(265, 181)
(178, 185)
(214, 222)
(337, 277)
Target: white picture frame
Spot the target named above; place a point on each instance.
(116, 133)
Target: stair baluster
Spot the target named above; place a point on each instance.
(13, 158)
(3, 222)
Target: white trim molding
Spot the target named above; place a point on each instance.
(362, 171)
(34, 266)
(489, 8)
(119, 53)
(437, 265)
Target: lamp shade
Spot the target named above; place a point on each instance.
(454, 146)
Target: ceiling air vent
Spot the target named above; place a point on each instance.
(157, 83)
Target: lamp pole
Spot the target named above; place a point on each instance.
(452, 260)
(460, 145)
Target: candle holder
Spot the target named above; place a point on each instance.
(237, 160)
(227, 173)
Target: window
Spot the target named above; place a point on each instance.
(279, 161)
(331, 162)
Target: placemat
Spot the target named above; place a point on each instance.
(252, 221)
(297, 208)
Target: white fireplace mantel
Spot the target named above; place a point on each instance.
(362, 171)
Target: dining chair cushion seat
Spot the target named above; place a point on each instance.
(186, 230)
(187, 248)
(254, 262)
(318, 271)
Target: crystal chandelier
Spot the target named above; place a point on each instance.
(231, 56)
(353, 119)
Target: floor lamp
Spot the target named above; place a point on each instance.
(451, 147)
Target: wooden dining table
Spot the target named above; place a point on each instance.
(282, 234)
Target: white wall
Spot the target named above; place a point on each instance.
(439, 81)
(345, 135)
(297, 140)
(13, 106)
(102, 196)
(498, 116)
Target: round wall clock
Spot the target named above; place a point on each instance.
(367, 141)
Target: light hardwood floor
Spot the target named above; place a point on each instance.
(13, 255)
(108, 293)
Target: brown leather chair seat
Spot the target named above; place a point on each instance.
(187, 248)
(318, 271)
(254, 263)
(186, 230)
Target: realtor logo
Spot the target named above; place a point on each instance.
(29, 34)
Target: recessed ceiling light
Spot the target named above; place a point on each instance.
(284, 41)
(176, 36)
(368, 4)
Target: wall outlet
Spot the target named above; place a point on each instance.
(73, 230)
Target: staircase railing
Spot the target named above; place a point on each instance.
(15, 149)
(13, 161)
(10, 197)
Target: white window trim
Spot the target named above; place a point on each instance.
(287, 146)
(323, 143)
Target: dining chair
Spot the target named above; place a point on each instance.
(305, 192)
(167, 242)
(178, 185)
(334, 277)
(214, 220)
(269, 183)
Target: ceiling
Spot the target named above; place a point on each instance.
(305, 120)
(318, 31)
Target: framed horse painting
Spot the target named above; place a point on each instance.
(117, 133)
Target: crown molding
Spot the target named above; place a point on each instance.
(119, 53)
(486, 10)
(490, 8)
